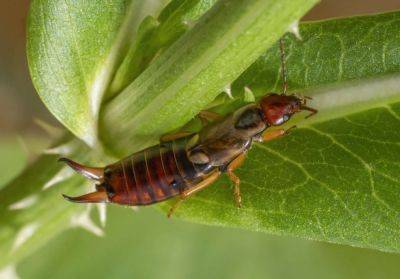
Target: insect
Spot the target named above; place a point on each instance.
(185, 163)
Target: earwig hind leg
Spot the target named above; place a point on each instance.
(174, 136)
(185, 194)
(235, 179)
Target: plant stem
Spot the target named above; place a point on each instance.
(194, 70)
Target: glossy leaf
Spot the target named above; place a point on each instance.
(73, 50)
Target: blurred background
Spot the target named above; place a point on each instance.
(145, 244)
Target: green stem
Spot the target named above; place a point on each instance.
(204, 61)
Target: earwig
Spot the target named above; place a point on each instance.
(185, 163)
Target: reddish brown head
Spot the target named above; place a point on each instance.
(277, 109)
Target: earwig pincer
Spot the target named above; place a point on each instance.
(185, 163)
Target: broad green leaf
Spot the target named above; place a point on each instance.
(195, 69)
(336, 178)
(330, 52)
(73, 50)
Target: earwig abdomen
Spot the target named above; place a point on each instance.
(152, 175)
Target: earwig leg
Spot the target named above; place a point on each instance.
(89, 172)
(175, 206)
(270, 135)
(288, 131)
(178, 135)
(283, 66)
(185, 194)
(312, 110)
(208, 116)
(236, 180)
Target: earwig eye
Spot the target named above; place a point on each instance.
(285, 117)
(199, 157)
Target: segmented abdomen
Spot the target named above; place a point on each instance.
(153, 175)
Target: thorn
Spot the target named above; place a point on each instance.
(60, 176)
(102, 210)
(248, 95)
(24, 203)
(189, 23)
(48, 128)
(24, 234)
(84, 221)
(9, 272)
(228, 90)
(294, 29)
(63, 149)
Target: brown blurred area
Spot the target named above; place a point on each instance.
(19, 103)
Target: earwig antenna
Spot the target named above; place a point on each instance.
(283, 66)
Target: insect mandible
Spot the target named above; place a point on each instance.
(185, 163)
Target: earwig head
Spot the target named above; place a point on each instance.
(277, 109)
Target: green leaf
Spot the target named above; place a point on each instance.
(202, 62)
(336, 178)
(73, 50)
(330, 52)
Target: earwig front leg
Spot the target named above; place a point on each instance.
(185, 194)
(235, 179)
(174, 136)
(271, 135)
(208, 116)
